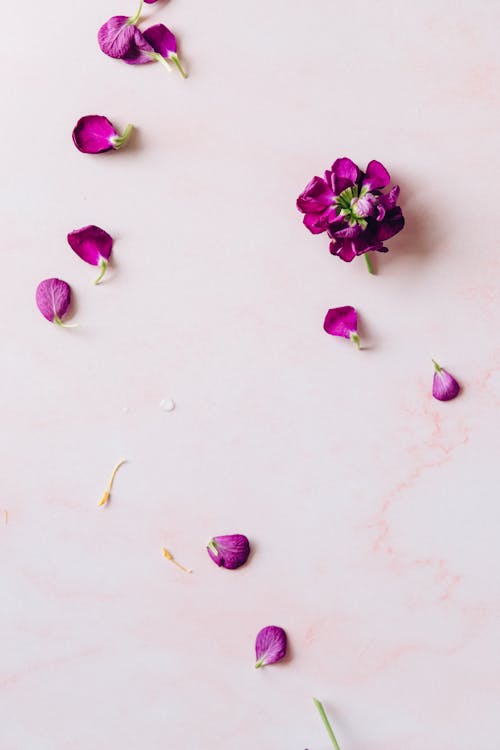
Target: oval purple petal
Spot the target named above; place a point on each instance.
(93, 133)
(229, 551)
(376, 176)
(140, 52)
(53, 298)
(444, 385)
(161, 39)
(341, 321)
(116, 37)
(91, 244)
(270, 645)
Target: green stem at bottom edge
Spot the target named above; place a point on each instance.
(178, 65)
(327, 724)
(368, 263)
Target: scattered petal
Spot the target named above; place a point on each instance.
(94, 134)
(164, 43)
(168, 555)
(53, 297)
(230, 551)
(93, 245)
(270, 645)
(342, 321)
(444, 385)
(167, 404)
(117, 37)
(105, 498)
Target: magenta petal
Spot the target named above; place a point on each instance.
(376, 176)
(116, 36)
(270, 645)
(140, 52)
(91, 244)
(230, 551)
(53, 297)
(341, 321)
(161, 39)
(345, 174)
(444, 385)
(93, 134)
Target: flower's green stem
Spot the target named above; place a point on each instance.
(178, 65)
(57, 320)
(103, 266)
(260, 663)
(368, 263)
(211, 545)
(327, 724)
(163, 60)
(118, 141)
(437, 367)
(133, 19)
(355, 339)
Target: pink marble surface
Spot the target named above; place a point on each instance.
(373, 509)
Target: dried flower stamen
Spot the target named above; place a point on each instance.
(105, 498)
(169, 556)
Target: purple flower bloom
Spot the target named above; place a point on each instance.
(119, 37)
(349, 204)
(94, 134)
(93, 245)
(270, 645)
(444, 385)
(342, 321)
(53, 298)
(164, 44)
(230, 551)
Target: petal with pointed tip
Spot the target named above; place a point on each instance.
(341, 321)
(376, 176)
(161, 39)
(93, 134)
(270, 645)
(444, 385)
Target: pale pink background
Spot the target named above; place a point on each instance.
(373, 510)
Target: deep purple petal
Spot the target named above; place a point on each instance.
(91, 244)
(116, 37)
(161, 39)
(270, 645)
(150, 2)
(392, 223)
(317, 223)
(444, 385)
(53, 297)
(315, 197)
(140, 52)
(341, 321)
(229, 551)
(345, 174)
(376, 176)
(93, 134)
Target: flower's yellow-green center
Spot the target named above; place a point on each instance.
(355, 205)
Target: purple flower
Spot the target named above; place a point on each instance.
(444, 385)
(164, 44)
(53, 297)
(93, 245)
(270, 645)
(230, 551)
(349, 204)
(119, 37)
(343, 321)
(94, 134)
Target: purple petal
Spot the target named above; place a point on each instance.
(53, 297)
(93, 134)
(315, 197)
(116, 37)
(341, 321)
(392, 223)
(92, 244)
(230, 551)
(444, 385)
(376, 176)
(161, 39)
(317, 223)
(150, 2)
(345, 174)
(387, 202)
(140, 52)
(270, 645)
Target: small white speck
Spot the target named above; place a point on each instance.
(167, 404)
(126, 409)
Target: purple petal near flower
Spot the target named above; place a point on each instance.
(94, 134)
(229, 551)
(164, 43)
(345, 173)
(376, 176)
(93, 245)
(342, 321)
(140, 52)
(444, 385)
(270, 645)
(53, 297)
(117, 36)
(315, 197)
